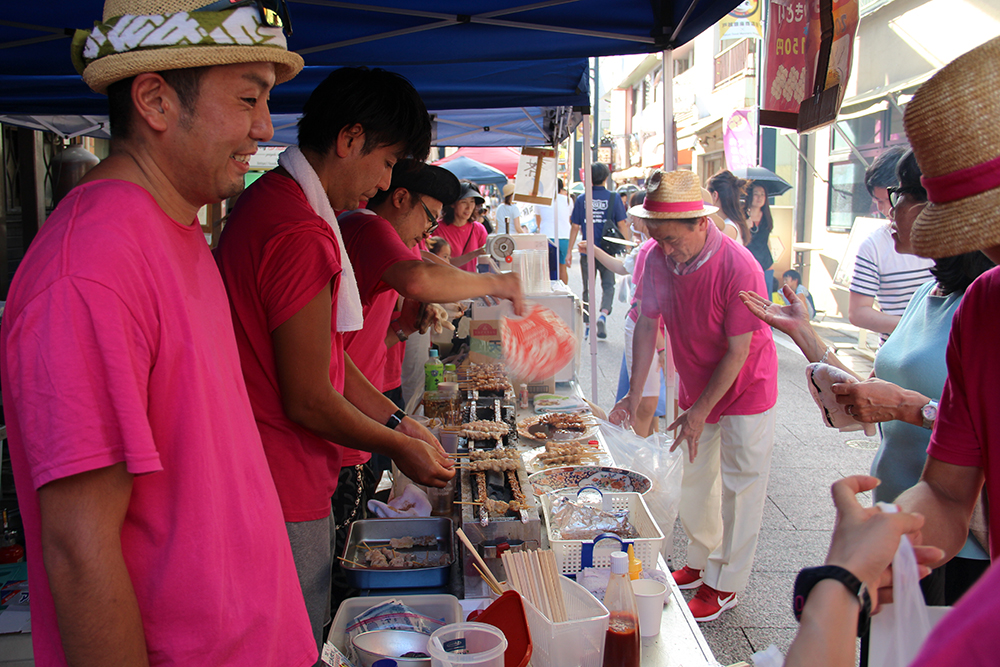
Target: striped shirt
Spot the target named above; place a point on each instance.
(883, 273)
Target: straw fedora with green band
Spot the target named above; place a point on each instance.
(138, 36)
(672, 195)
(952, 124)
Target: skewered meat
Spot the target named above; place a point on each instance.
(408, 542)
(485, 430)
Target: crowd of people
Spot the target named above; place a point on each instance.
(179, 418)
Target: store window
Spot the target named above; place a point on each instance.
(870, 135)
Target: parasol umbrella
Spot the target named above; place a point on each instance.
(465, 168)
(774, 184)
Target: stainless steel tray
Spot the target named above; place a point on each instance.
(377, 532)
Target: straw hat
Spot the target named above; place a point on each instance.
(672, 195)
(168, 34)
(508, 189)
(952, 125)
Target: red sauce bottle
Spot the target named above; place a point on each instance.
(621, 646)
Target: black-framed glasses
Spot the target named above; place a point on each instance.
(432, 223)
(896, 194)
(273, 13)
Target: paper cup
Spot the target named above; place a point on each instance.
(649, 595)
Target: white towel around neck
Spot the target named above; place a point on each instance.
(349, 313)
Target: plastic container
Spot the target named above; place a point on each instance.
(578, 641)
(443, 608)
(433, 372)
(467, 645)
(622, 646)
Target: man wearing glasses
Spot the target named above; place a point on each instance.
(384, 242)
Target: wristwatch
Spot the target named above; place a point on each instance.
(395, 419)
(398, 328)
(929, 414)
(811, 576)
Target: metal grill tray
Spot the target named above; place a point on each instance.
(377, 532)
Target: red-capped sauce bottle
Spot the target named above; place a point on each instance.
(621, 647)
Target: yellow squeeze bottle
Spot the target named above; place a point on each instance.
(634, 565)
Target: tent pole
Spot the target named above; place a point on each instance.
(669, 137)
(588, 190)
(669, 164)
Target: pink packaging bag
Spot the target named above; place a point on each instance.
(537, 345)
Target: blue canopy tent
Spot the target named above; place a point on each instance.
(460, 54)
(518, 41)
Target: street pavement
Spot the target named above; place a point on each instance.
(798, 517)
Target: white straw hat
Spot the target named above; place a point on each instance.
(138, 36)
(672, 195)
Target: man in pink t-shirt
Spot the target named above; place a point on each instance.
(150, 516)
(728, 384)
(294, 295)
(381, 241)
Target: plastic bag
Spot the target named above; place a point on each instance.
(652, 457)
(910, 621)
(537, 345)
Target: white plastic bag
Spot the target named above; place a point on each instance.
(652, 457)
(902, 626)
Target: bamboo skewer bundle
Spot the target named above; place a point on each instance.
(535, 576)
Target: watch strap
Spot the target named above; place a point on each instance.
(395, 419)
(810, 576)
(398, 330)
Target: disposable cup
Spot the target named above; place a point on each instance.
(649, 595)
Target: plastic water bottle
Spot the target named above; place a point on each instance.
(433, 372)
(622, 647)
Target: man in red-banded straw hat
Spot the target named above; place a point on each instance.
(154, 532)
(728, 372)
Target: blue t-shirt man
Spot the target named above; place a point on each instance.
(608, 209)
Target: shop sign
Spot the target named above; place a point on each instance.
(807, 61)
(742, 22)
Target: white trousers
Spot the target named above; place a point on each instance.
(723, 495)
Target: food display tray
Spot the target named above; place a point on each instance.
(377, 532)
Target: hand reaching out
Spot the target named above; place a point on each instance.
(787, 319)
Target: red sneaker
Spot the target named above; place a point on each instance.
(708, 604)
(688, 577)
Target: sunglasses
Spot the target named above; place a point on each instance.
(431, 220)
(896, 193)
(273, 13)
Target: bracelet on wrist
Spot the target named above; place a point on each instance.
(826, 354)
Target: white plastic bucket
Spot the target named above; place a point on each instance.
(467, 645)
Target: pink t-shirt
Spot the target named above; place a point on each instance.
(967, 428)
(275, 255)
(117, 347)
(470, 236)
(373, 245)
(640, 265)
(701, 311)
(393, 376)
(967, 635)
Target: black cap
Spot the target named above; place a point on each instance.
(468, 190)
(426, 179)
